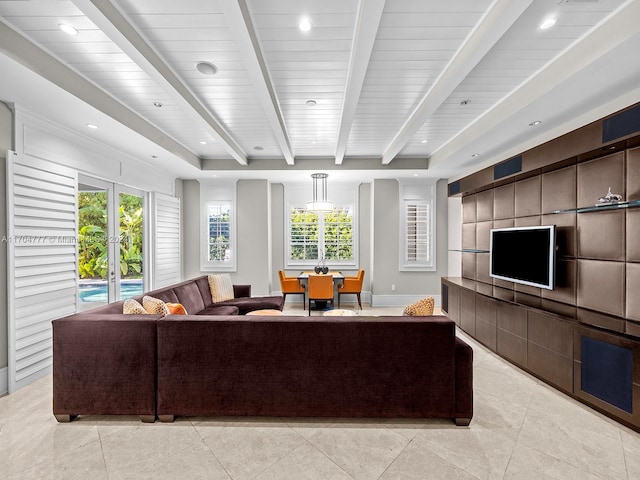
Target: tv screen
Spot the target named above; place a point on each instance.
(524, 255)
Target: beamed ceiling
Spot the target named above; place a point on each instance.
(436, 88)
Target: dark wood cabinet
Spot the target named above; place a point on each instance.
(567, 350)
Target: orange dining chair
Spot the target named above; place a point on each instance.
(352, 285)
(320, 289)
(292, 286)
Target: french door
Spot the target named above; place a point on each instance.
(112, 260)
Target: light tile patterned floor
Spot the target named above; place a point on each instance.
(522, 429)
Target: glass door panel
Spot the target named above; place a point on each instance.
(131, 256)
(110, 242)
(93, 243)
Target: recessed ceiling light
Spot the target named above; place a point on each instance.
(157, 104)
(258, 148)
(475, 155)
(214, 175)
(313, 142)
(311, 103)
(91, 125)
(206, 68)
(424, 140)
(533, 124)
(415, 174)
(548, 23)
(203, 143)
(68, 29)
(305, 25)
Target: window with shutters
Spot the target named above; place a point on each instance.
(218, 237)
(417, 226)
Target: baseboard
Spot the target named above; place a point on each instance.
(4, 380)
(400, 300)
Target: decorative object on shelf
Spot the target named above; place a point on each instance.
(609, 198)
(320, 203)
(321, 267)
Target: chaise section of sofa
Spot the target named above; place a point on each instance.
(104, 365)
(319, 367)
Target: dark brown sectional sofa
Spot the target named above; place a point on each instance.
(221, 365)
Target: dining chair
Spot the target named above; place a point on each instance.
(352, 285)
(292, 286)
(320, 289)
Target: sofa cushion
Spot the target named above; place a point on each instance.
(133, 307)
(203, 285)
(220, 310)
(248, 304)
(154, 305)
(189, 296)
(221, 287)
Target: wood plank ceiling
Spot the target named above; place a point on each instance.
(372, 81)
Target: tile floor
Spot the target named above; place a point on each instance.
(522, 429)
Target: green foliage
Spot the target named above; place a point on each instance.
(335, 239)
(93, 239)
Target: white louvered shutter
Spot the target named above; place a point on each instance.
(167, 241)
(42, 261)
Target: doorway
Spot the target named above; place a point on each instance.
(111, 242)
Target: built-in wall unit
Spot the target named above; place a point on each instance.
(582, 335)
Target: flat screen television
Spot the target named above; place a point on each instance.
(524, 255)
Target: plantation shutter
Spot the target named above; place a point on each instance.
(417, 233)
(42, 261)
(167, 241)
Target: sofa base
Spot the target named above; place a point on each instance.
(166, 418)
(62, 418)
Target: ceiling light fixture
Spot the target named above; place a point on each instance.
(424, 141)
(158, 104)
(203, 143)
(475, 155)
(206, 68)
(68, 29)
(548, 23)
(311, 103)
(319, 203)
(305, 25)
(91, 125)
(313, 142)
(535, 123)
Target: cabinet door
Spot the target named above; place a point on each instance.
(550, 349)
(468, 311)
(512, 333)
(486, 320)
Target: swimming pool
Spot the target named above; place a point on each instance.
(96, 290)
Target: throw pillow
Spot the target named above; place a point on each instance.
(221, 287)
(422, 308)
(176, 309)
(133, 307)
(154, 305)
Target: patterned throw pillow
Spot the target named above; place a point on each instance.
(154, 305)
(422, 308)
(176, 309)
(133, 307)
(221, 287)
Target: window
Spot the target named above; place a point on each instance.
(219, 240)
(218, 237)
(311, 235)
(417, 226)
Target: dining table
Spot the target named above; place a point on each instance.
(338, 278)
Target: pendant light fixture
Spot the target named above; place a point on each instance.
(319, 203)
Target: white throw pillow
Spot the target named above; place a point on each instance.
(154, 305)
(132, 307)
(221, 287)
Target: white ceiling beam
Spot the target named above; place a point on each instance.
(114, 24)
(498, 18)
(238, 17)
(366, 29)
